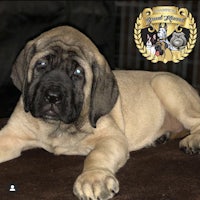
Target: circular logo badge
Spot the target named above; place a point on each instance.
(165, 33)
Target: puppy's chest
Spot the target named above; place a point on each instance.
(69, 142)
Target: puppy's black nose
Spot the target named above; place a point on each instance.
(53, 95)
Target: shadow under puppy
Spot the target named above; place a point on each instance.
(72, 103)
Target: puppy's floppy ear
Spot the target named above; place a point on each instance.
(104, 92)
(19, 72)
(20, 68)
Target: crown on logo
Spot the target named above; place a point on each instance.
(163, 25)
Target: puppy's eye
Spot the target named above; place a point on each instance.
(78, 71)
(41, 64)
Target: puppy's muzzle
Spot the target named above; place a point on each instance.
(53, 95)
(52, 101)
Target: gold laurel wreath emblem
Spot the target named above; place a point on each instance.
(176, 58)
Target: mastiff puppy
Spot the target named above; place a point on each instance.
(72, 103)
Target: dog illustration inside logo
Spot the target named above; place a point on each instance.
(150, 44)
(165, 46)
(178, 40)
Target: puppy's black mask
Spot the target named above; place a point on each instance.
(56, 89)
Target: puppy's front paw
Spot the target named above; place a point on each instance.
(190, 144)
(96, 185)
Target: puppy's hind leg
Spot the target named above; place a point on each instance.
(183, 103)
(163, 139)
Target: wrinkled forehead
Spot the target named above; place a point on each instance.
(59, 49)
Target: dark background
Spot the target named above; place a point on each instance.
(109, 24)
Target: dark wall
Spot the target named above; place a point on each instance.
(22, 20)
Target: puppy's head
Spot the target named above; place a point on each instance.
(63, 76)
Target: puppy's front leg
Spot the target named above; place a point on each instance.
(97, 180)
(9, 144)
(16, 135)
(12, 141)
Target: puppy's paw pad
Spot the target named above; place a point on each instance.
(96, 185)
(190, 144)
